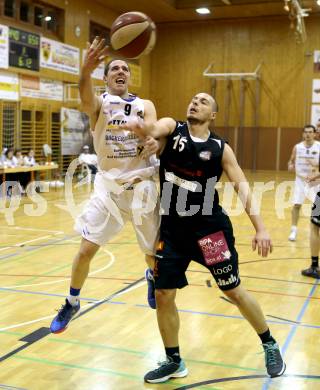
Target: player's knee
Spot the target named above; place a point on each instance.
(164, 297)
(84, 255)
(236, 295)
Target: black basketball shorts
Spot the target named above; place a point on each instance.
(208, 241)
(315, 211)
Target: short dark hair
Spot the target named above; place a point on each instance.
(9, 150)
(309, 126)
(107, 65)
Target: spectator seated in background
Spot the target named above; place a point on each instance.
(22, 177)
(89, 159)
(2, 157)
(8, 160)
(12, 181)
(29, 160)
(18, 158)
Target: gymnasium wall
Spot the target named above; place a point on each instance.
(37, 121)
(173, 73)
(77, 13)
(184, 51)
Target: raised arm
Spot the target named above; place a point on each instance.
(96, 53)
(241, 185)
(150, 114)
(160, 129)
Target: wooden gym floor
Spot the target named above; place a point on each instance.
(113, 345)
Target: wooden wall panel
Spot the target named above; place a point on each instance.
(173, 72)
(227, 133)
(184, 50)
(266, 145)
(78, 13)
(266, 148)
(244, 150)
(289, 137)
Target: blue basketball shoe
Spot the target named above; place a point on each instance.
(64, 316)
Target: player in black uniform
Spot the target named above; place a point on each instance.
(314, 271)
(194, 227)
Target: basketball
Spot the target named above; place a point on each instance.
(133, 35)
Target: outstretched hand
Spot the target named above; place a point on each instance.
(96, 53)
(310, 179)
(262, 241)
(291, 167)
(151, 146)
(136, 126)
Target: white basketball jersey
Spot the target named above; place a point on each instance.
(119, 150)
(307, 159)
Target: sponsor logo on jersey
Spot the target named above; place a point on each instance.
(214, 248)
(117, 122)
(223, 270)
(205, 155)
(120, 138)
(114, 102)
(140, 114)
(232, 279)
(186, 184)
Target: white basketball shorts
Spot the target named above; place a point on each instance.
(303, 190)
(107, 212)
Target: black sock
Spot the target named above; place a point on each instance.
(174, 354)
(266, 337)
(314, 261)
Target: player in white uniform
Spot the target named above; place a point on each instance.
(123, 188)
(304, 161)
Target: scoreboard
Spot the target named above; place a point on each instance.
(24, 49)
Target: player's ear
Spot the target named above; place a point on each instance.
(213, 116)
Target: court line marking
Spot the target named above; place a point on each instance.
(283, 319)
(82, 308)
(111, 262)
(302, 325)
(180, 310)
(78, 366)
(146, 354)
(21, 256)
(83, 344)
(19, 244)
(293, 330)
(7, 247)
(43, 332)
(44, 294)
(33, 229)
(259, 277)
(246, 377)
(308, 377)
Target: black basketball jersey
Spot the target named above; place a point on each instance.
(188, 173)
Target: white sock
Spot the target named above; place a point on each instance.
(73, 300)
(294, 228)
